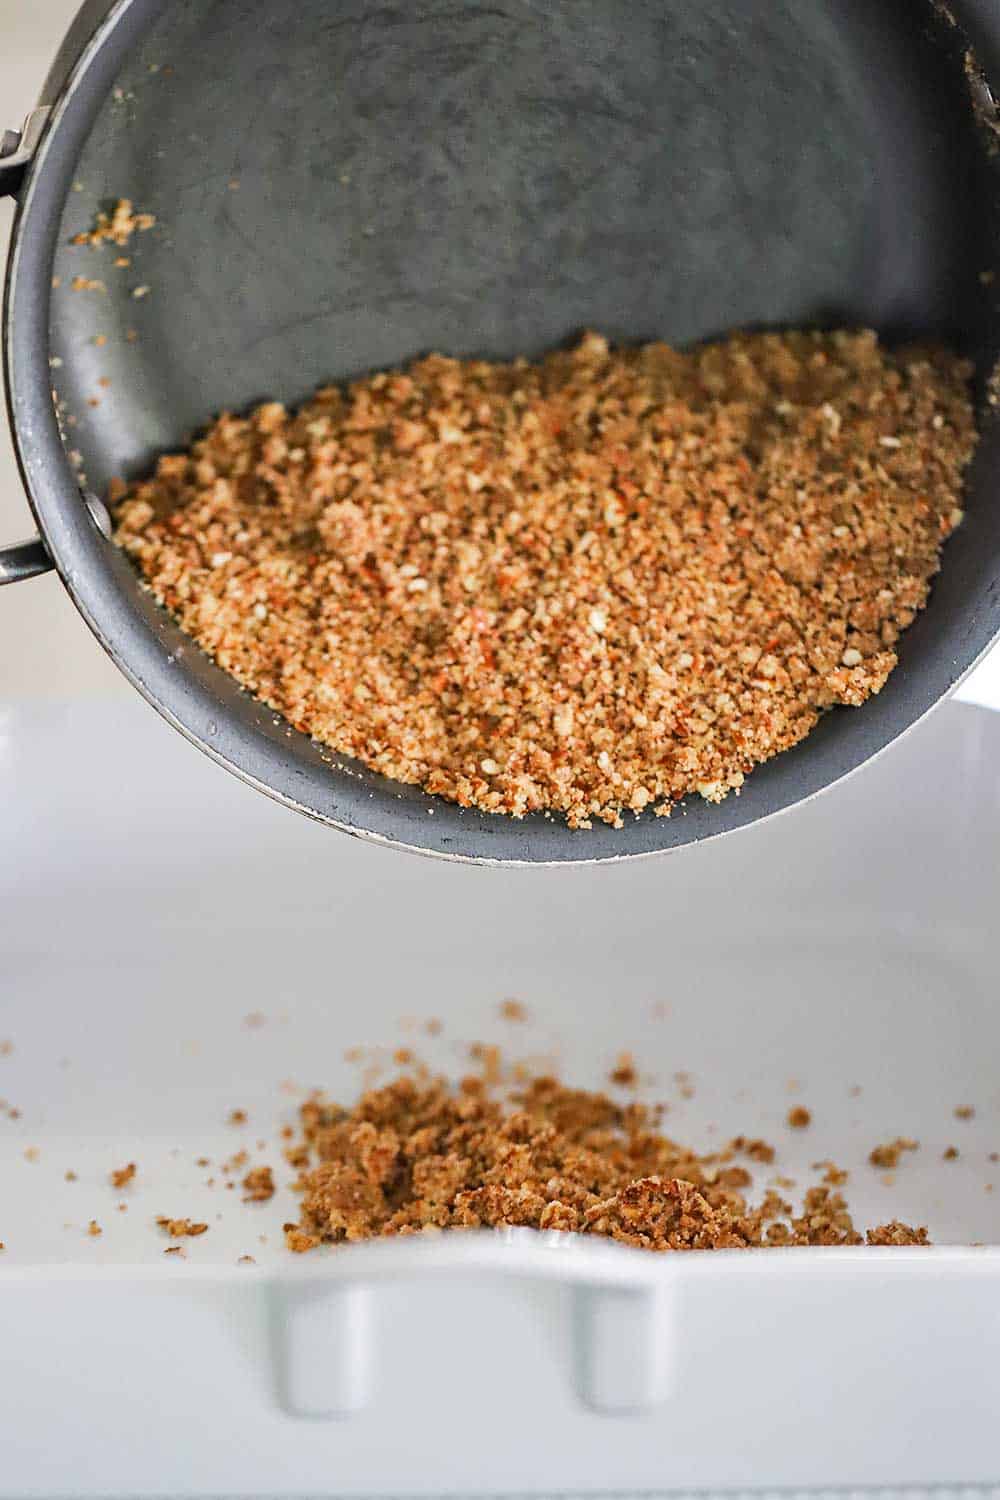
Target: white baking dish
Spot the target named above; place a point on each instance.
(151, 904)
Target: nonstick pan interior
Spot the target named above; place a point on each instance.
(340, 187)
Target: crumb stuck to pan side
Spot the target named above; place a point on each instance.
(592, 586)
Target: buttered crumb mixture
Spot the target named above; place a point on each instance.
(594, 585)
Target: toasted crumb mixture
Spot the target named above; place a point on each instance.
(889, 1155)
(118, 226)
(258, 1185)
(594, 585)
(180, 1228)
(415, 1157)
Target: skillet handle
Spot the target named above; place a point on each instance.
(25, 559)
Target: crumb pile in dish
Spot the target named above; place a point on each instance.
(593, 585)
(419, 1155)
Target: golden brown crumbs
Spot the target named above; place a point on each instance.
(799, 1117)
(434, 1027)
(594, 585)
(258, 1185)
(2, 1245)
(756, 1150)
(490, 1059)
(255, 1020)
(70, 1176)
(965, 1112)
(94, 1229)
(514, 1011)
(86, 284)
(122, 1176)
(951, 1153)
(296, 1239)
(180, 1228)
(174, 1250)
(140, 291)
(123, 1208)
(403, 1056)
(118, 226)
(203, 1161)
(889, 1154)
(32, 1153)
(414, 1157)
(6, 1048)
(238, 1117)
(624, 1074)
(246, 1260)
(895, 1233)
(832, 1174)
(56, 283)
(236, 1162)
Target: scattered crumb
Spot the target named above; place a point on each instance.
(513, 1010)
(118, 226)
(140, 291)
(122, 1176)
(32, 1153)
(255, 1020)
(238, 1117)
(832, 1174)
(56, 283)
(298, 1240)
(6, 1048)
(951, 1153)
(203, 1161)
(246, 1260)
(122, 260)
(123, 1208)
(94, 1229)
(70, 1176)
(624, 1074)
(403, 1056)
(799, 1117)
(258, 1185)
(964, 1112)
(174, 1250)
(889, 1154)
(756, 1150)
(434, 1027)
(180, 1228)
(87, 284)
(895, 1233)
